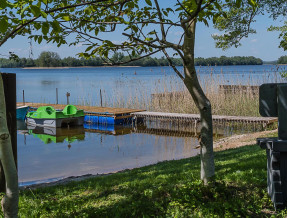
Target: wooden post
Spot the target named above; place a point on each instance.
(57, 96)
(101, 98)
(23, 97)
(9, 81)
(68, 95)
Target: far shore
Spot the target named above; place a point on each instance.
(35, 68)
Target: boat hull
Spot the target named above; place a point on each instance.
(56, 123)
(21, 112)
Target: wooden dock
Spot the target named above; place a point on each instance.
(103, 111)
(265, 121)
(136, 114)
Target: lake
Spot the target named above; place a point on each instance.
(48, 155)
(122, 83)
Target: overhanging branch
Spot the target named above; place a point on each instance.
(21, 26)
(133, 59)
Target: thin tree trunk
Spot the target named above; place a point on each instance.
(202, 103)
(10, 200)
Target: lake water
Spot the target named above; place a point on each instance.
(47, 155)
(124, 83)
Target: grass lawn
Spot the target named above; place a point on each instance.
(169, 189)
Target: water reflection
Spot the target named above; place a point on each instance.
(46, 154)
(43, 154)
(108, 129)
(57, 135)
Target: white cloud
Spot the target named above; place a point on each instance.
(254, 40)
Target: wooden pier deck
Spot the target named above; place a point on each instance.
(122, 113)
(103, 111)
(195, 118)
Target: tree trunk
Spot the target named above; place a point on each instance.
(202, 103)
(10, 200)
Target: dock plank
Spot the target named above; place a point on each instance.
(196, 117)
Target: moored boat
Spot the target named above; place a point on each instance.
(21, 112)
(47, 116)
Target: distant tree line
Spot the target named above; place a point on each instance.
(282, 60)
(52, 59)
(224, 61)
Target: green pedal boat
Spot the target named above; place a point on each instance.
(47, 116)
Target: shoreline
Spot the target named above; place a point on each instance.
(68, 67)
(49, 68)
(226, 143)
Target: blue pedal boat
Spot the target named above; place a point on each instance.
(21, 112)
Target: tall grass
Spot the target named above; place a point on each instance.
(170, 95)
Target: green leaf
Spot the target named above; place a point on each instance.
(56, 26)
(66, 18)
(89, 48)
(44, 15)
(35, 10)
(45, 28)
(23, 10)
(205, 22)
(218, 6)
(148, 2)
(135, 29)
(102, 28)
(252, 2)
(238, 3)
(96, 31)
(3, 25)
(3, 4)
(40, 39)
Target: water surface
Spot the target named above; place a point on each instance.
(47, 154)
(125, 83)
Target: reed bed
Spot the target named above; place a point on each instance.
(169, 94)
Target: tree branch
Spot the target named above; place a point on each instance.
(20, 27)
(133, 59)
(160, 19)
(116, 23)
(170, 62)
(143, 42)
(172, 65)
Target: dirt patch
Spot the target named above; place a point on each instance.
(240, 140)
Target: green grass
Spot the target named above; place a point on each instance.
(167, 189)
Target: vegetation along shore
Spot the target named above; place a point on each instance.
(52, 59)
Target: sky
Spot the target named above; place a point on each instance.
(262, 45)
